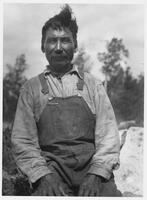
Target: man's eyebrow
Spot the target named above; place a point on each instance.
(54, 36)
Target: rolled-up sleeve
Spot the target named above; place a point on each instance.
(26, 150)
(106, 157)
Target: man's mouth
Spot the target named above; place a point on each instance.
(59, 58)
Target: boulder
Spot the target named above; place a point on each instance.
(129, 177)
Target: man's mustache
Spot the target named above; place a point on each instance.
(59, 57)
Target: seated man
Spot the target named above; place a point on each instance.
(65, 137)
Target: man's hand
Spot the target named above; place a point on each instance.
(50, 185)
(91, 186)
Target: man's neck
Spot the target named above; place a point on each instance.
(59, 74)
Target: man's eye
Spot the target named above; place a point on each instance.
(66, 40)
(52, 40)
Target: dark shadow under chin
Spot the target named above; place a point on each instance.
(61, 67)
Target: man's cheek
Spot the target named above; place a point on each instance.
(48, 51)
(69, 51)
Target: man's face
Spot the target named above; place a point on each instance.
(59, 48)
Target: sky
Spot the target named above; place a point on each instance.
(98, 23)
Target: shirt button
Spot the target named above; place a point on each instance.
(50, 98)
(79, 95)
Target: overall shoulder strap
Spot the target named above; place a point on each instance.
(80, 82)
(44, 85)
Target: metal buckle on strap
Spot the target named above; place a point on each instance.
(44, 85)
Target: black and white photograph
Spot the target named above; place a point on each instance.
(73, 99)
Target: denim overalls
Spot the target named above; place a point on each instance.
(66, 137)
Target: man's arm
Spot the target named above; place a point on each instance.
(24, 138)
(107, 141)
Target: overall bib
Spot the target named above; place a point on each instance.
(66, 135)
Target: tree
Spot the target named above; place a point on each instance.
(112, 59)
(12, 82)
(132, 99)
(126, 93)
(139, 111)
(129, 95)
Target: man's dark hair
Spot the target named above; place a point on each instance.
(63, 19)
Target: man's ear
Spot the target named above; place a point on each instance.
(75, 50)
(42, 48)
(75, 46)
(42, 45)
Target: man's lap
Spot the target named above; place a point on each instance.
(108, 188)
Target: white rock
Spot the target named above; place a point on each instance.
(129, 177)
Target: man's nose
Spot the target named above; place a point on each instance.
(58, 48)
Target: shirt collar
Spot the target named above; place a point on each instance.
(74, 70)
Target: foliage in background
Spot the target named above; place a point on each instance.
(7, 160)
(125, 92)
(12, 82)
(111, 59)
(13, 183)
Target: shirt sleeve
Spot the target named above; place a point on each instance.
(26, 150)
(106, 157)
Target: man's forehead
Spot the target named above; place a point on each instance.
(58, 32)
